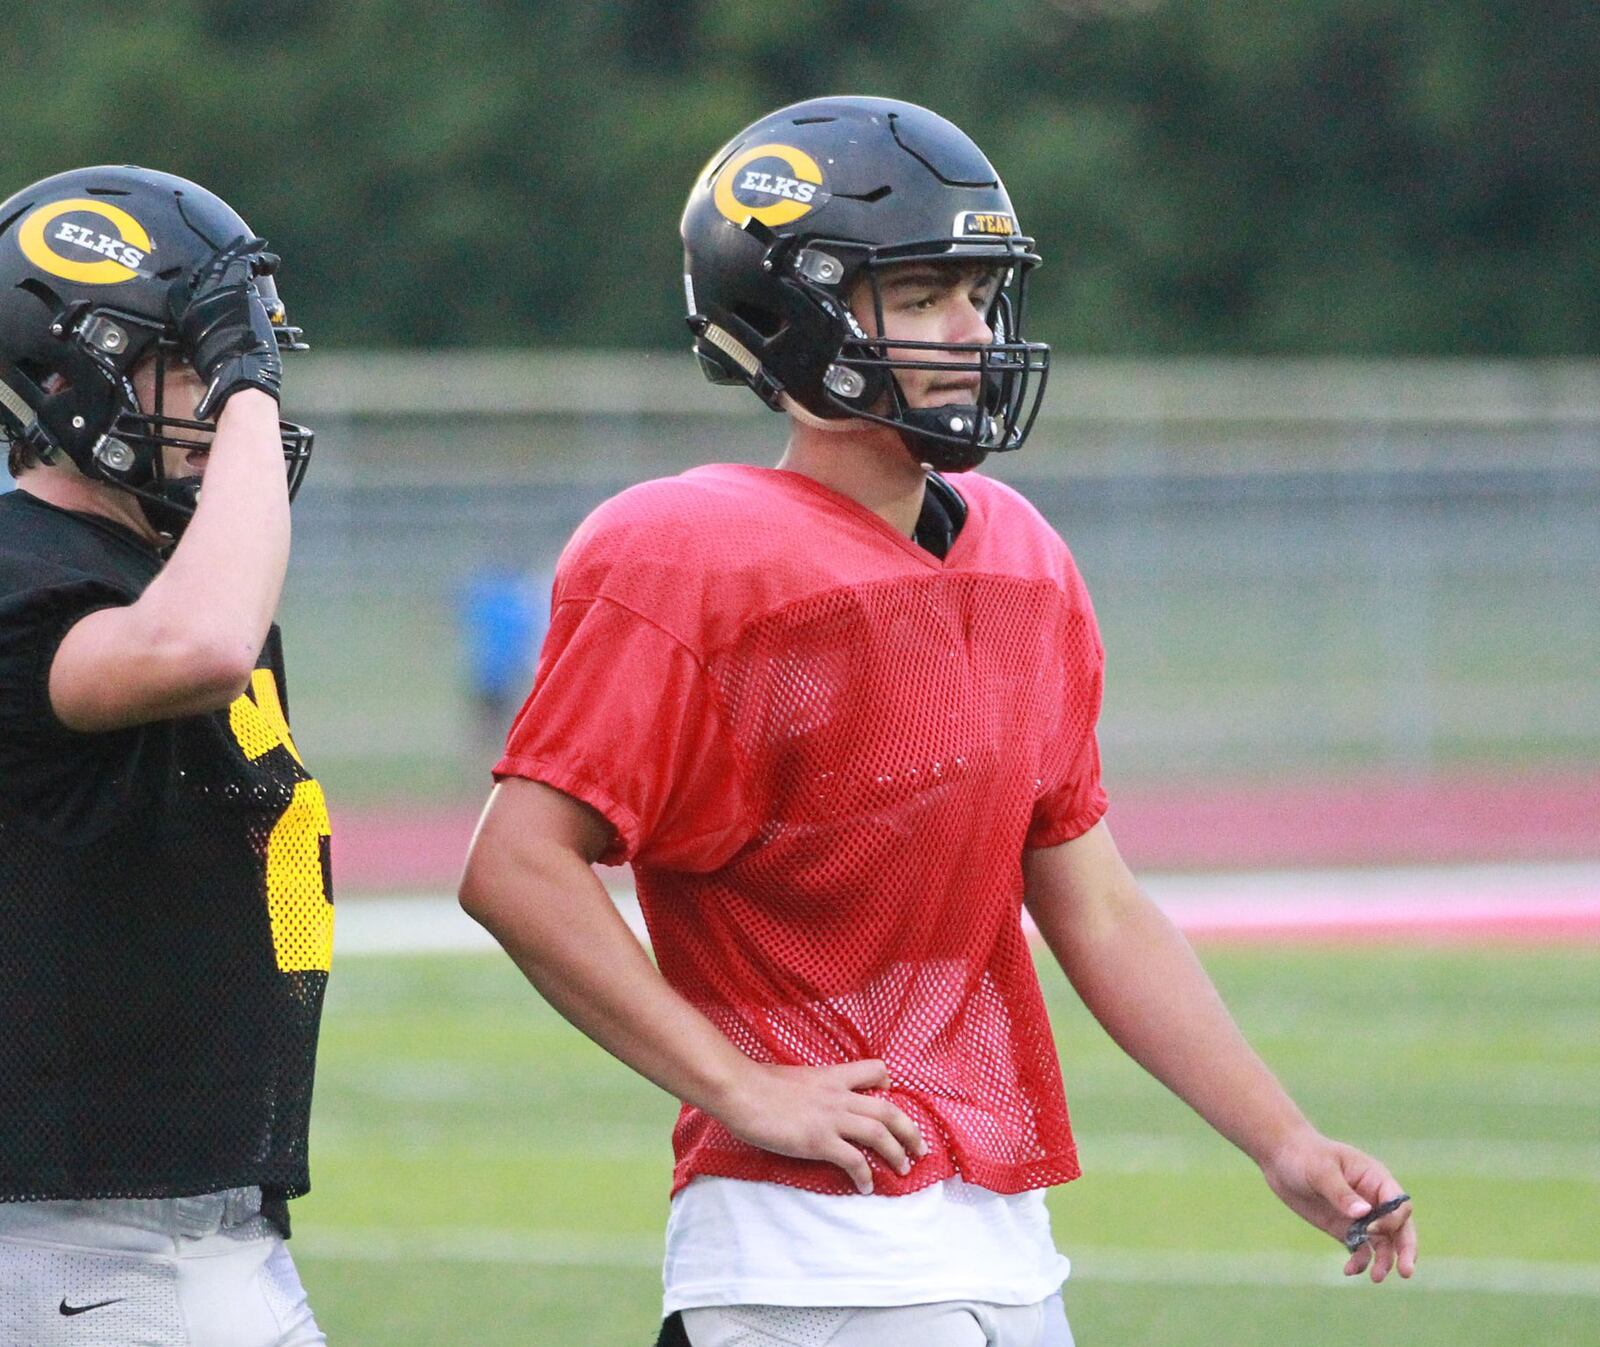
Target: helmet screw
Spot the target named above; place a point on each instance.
(77, 423)
(845, 382)
(958, 424)
(56, 329)
(816, 265)
(766, 264)
(114, 454)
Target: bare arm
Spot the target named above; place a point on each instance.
(529, 881)
(1141, 980)
(188, 644)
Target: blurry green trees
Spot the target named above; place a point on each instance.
(1297, 176)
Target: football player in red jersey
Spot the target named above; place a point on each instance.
(839, 715)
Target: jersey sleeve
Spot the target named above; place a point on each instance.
(1073, 799)
(624, 717)
(32, 626)
(66, 782)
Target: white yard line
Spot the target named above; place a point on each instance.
(1376, 902)
(1443, 899)
(410, 924)
(1487, 1276)
(452, 1244)
(1528, 1160)
(1532, 1160)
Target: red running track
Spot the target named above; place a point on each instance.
(1367, 821)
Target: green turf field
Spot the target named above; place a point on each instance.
(484, 1175)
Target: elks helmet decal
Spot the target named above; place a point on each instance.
(68, 238)
(88, 260)
(787, 222)
(774, 184)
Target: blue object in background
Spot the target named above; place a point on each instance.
(504, 616)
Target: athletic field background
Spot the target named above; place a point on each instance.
(1303, 570)
(482, 1174)
(1351, 621)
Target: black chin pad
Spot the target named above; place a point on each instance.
(169, 506)
(952, 438)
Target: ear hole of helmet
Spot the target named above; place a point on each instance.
(763, 322)
(80, 406)
(815, 344)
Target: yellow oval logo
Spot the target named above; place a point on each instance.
(775, 184)
(71, 239)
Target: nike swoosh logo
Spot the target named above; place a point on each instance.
(84, 1309)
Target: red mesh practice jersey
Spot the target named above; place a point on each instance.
(824, 750)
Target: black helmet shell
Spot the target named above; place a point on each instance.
(787, 217)
(87, 262)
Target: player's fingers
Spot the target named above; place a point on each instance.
(867, 1075)
(872, 1134)
(905, 1131)
(1392, 1211)
(840, 1152)
(1377, 1185)
(1382, 1258)
(1356, 1264)
(1328, 1181)
(1391, 1224)
(1406, 1248)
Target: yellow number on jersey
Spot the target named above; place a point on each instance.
(297, 896)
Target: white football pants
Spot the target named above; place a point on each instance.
(949, 1323)
(177, 1272)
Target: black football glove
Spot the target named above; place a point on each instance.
(223, 327)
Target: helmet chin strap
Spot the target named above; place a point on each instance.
(937, 454)
(169, 505)
(812, 421)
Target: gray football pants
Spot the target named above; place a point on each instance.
(949, 1323)
(178, 1272)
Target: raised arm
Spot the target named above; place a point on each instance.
(1140, 978)
(529, 880)
(190, 641)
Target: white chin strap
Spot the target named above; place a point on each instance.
(815, 422)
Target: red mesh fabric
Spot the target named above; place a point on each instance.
(825, 751)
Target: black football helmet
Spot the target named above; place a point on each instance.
(87, 263)
(792, 214)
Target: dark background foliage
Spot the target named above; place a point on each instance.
(1295, 177)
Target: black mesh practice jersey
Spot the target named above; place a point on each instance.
(166, 921)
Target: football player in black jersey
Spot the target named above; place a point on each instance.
(167, 925)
